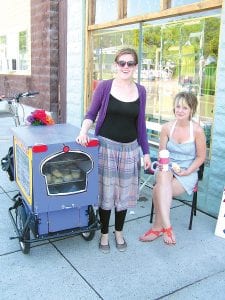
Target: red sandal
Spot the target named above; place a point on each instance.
(169, 233)
(145, 236)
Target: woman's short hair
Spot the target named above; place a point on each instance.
(189, 98)
(127, 51)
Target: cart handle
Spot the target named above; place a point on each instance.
(39, 148)
(93, 143)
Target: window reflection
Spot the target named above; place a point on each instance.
(106, 10)
(183, 2)
(15, 37)
(107, 43)
(138, 7)
(181, 56)
(23, 50)
(173, 56)
(3, 54)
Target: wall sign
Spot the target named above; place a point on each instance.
(220, 225)
(22, 169)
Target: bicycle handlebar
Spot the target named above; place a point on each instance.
(29, 94)
(18, 96)
(26, 94)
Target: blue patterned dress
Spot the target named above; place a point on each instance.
(184, 154)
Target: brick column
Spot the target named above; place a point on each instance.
(44, 52)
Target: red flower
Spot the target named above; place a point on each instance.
(39, 117)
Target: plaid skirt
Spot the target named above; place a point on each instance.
(119, 174)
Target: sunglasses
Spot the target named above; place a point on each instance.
(123, 63)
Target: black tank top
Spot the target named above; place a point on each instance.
(120, 123)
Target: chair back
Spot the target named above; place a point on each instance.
(201, 171)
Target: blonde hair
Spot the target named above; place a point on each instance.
(189, 98)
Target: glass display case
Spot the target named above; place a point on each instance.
(66, 173)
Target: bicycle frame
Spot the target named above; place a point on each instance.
(14, 111)
(9, 107)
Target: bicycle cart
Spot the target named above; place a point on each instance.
(58, 184)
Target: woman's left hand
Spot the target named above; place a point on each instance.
(182, 172)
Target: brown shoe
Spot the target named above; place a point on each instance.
(121, 247)
(104, 248)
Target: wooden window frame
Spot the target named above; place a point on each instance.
(165, 12)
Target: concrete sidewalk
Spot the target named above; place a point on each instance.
(72, 268)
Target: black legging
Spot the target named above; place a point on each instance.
(105, 217)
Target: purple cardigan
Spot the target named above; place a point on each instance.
(99, 106)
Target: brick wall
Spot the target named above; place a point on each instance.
(44, 58)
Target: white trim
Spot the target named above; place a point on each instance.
(155, 127)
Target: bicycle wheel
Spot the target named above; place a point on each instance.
(89, 235)
(22, 217)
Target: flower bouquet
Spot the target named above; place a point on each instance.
(40, 117)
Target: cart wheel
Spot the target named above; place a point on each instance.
(88, 236)
(22, 217)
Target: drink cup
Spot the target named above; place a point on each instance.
(164, 159)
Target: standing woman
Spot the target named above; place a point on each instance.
(119, 104)
(185, 141)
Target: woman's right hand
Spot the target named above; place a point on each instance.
(83, 139)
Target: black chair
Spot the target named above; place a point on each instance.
(147, 176)
(194, 199)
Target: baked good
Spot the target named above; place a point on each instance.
(49, 178)
(176, 167)
(76, 174)
(57, 180)
(57, 173)
(67, 177)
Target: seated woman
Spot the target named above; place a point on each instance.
(186, 143)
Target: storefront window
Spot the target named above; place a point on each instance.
(3, 54)
(181, 56)
(106, 10)
(15, 37)
(138, 7)
(173, 56)
(23, 51)
(183, 2)
(171, 63)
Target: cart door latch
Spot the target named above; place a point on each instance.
(67, 207)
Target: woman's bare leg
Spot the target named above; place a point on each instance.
(166, 188)
(162, 195)
(162, 199)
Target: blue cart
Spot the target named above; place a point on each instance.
(58, 184)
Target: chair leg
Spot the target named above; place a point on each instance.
(152, 211)
(193, 209)
(195, 203)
